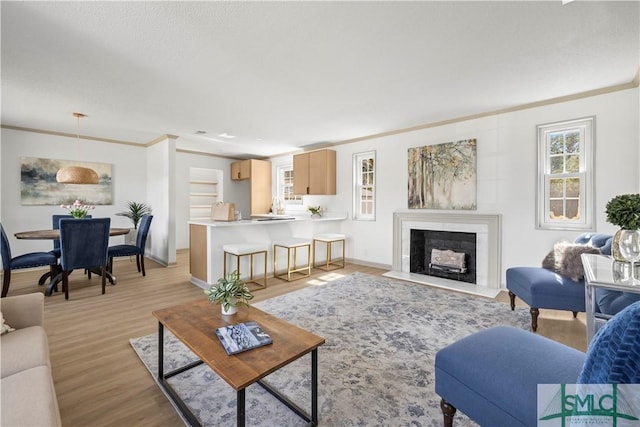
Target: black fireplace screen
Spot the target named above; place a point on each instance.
(423, 242)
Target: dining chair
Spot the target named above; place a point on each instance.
(131, 250)
(55, 225)
(83, 244)
(28, 260)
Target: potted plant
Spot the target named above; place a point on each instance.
(316, 211)
(624, 211)
(230, 292)
(135, 212)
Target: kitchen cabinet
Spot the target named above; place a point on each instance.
(314, 172)
(241, 170)
(260, 186)
(258, 173)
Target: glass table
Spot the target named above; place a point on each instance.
(602, 271)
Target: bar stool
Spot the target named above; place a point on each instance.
(328, 239)
(294, 244)
(247, 249)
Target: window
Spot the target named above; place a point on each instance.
(285, 185)
(565, 176)
(364, 195)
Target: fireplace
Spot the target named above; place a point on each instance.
(458, 247)
(487, 231)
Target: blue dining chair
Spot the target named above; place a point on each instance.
(55, 225)
(28, 260)
(131, 250)
(83, 244)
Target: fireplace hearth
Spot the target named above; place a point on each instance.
(488, 257)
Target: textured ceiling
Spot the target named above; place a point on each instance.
(282, 75)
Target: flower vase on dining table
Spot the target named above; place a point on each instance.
(77, 209)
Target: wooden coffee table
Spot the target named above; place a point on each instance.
(195, 324)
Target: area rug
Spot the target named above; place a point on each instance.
(376, 368)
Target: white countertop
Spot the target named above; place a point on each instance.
(268, 219)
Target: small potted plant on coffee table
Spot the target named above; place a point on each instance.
(230, 292)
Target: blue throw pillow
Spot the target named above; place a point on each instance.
(613, 356)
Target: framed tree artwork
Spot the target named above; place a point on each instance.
(443, 176)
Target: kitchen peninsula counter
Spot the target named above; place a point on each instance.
(207, 237)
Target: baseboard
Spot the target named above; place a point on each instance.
(369, 264)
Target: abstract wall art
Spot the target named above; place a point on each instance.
(443, 176)
(38, 185)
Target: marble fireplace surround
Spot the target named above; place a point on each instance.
(487, 228)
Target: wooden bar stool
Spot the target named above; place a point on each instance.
(247, 249)
(294, 244)
(328, 239)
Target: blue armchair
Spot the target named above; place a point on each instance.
(543, 288)
(492, 376)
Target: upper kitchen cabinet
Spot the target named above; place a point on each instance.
(241, 170)
(314, 172)
(258, 172)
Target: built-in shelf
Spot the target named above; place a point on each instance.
(204, 190)
(203, 195)
(201, 181)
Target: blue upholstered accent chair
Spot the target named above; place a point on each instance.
(28, 260)
(131, 250)
(543, 288)
(492, 375)
(83, 245)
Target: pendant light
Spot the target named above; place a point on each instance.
(77, 174)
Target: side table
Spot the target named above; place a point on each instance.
(602, 271)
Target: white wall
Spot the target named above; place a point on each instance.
(506, 174)
(160, 181)
(129, 172)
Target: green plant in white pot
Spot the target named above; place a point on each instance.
(230, 292)
(135, 211)
(624, 211)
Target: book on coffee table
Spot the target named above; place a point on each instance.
(242, 337)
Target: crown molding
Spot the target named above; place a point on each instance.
(72, 135)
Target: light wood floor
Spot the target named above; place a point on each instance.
(99, 379)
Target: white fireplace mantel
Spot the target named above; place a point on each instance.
(487, 228)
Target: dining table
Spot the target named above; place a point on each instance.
(51, 234)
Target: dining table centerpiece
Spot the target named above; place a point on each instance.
(78, 209)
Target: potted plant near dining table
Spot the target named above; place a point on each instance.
(135, 211)
(230, 292)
